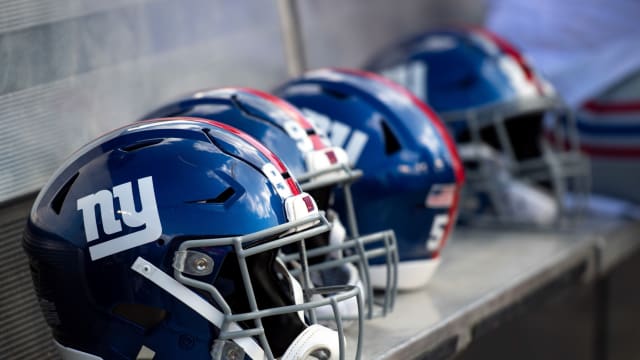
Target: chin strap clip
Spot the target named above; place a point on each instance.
(315, 342)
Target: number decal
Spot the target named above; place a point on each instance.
(276, 179)
(436, 236)
(297, 133)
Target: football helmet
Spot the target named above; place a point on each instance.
(504, 118)
(411, 170)
(320, 168)
(161, 237)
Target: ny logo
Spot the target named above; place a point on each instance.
(353, 142)
(104, 199)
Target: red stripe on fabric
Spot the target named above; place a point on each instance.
(597, 150)
(609, 151)
(612, 107)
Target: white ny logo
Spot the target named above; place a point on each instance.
(338, 134)
(104, 199)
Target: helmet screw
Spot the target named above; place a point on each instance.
(201, 264)
(232, 354)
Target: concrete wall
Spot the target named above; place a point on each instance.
(73, 69)
(346, 33)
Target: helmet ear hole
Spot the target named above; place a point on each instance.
(144, 316)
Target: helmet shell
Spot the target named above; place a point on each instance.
(405, 153)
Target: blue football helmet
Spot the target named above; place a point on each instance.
(503, 116)
(161, 237)
(320, 169)
(412, 173)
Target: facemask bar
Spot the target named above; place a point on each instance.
(243, 249)
(386, 246)
(343, 176)
(560, 162)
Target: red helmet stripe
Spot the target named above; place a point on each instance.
(295, 189)
(291, 111)
(426, 110)
(440, 127)
(510, 50)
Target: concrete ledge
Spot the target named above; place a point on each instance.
(488, 277)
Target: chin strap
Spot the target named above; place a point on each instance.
(314, 340)
(529, 204)
(348, 274)
(296, 288)
(522, 202)
(338, 233)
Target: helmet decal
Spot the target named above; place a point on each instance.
(104, 200)
(277, 180)
(351, 140)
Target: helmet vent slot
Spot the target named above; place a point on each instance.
(58, 200)
(220, 199)
(254, 114)
(336, 94)
(391, 143)
(141, 144)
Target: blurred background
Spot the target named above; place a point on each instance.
(73, 69)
